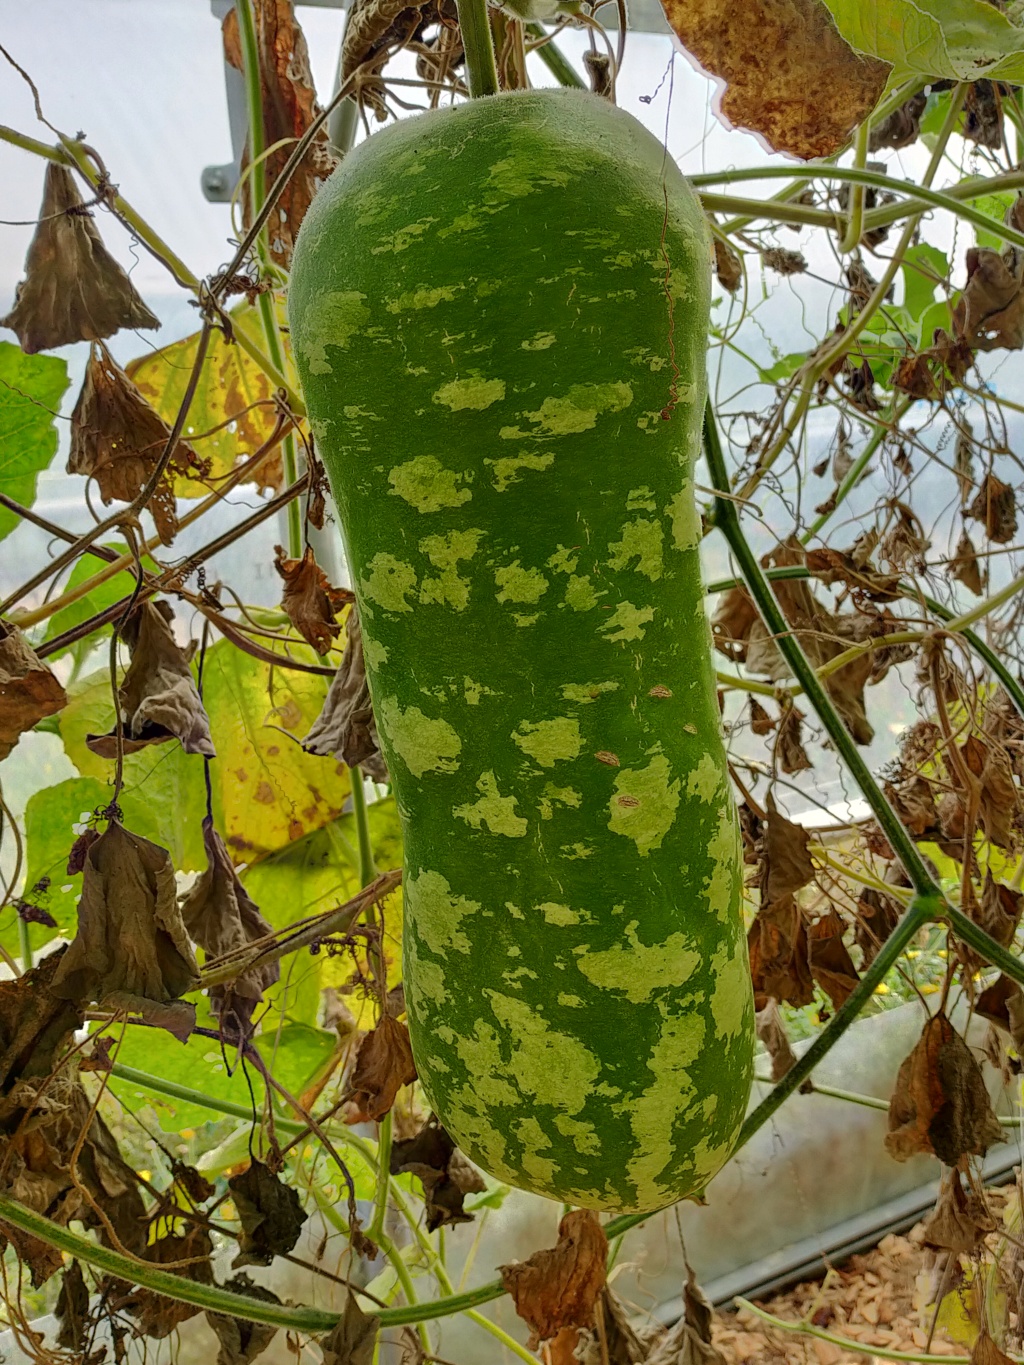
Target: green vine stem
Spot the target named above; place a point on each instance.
(554, 58)
(855, 224)
(481, 67)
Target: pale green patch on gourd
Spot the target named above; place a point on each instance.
(586, 693)
(583, 1134)
(467, 1119)
(705, 780)
(552, 796)
(580, 593)
(535, 1140)
(572, 1002)
(473, 394)
(422, 975)
(725, 856)
(514, 910)
(522, 620)
(438, 913)
(403, 239)
(508, 470)
(549, 741)
(374, 652)
(514, 177)
(495, 811)
(516, 584)
(574, 852)
(427, 485)
(641, 500)
(730, 1001)
(542, 341)
(438, 1064)
(480, 1053)
(580, 408)
(330, 320)
(686, 527)
(554, 1067)
(389, 581)
(445, 552)
(652, 1113)
(423, 744)
(640, 969)
(473, 691)
(563, 560)
(559, 914)
(424, 297)
(709, 1156)
(644, 804)
(641, 542)
(626, 623)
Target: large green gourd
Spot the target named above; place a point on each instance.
(499, 315)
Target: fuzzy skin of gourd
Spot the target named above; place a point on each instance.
(499, 315)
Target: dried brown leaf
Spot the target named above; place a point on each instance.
(219, 915)
(374, 29)
(940, 1103)
(779, 954)
(117, 439)
(309, 601)
(689, 1341)
(289, 107)
(131, 951)
(771, 1031)
(995, 506)
(158, 696)
(728, 266)
(559, 1286)
(353, 1339)
(901, 127)
(72, 1310)
(789, 74)
(241, 1340)
(445, 1174)
(156, 1315)
(998, 913)
(998, 795)
(784, 262)
(990, 313)
(963, 462)
(986, 1352)
(960, 1220)
(760, 721)
(28, 689)
(904, 545)
(1002, 1004)
(270, 1213)
(611, 1341)
(73, 288)
(786, 864)
(831, 965)
(842, 566)
(345, 728)
(383, 1065)
(877, 917)
(789, 744)
(965, 568)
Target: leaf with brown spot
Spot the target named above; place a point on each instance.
(346, 728)
(131, 951)
(289, 107)
(445, 1174)
(241, 1340)
(940, 1104)
(995, 506)
(786, 865)
(789, 74)
(219, 915)
(771, 1031)
(559, 1286)
(353, 1339)
(779, 953)
(270, 1212)
(960, 1220)
(728, 266)
(964, 566)
(831, 965)
(118, 439)
(158, 696)
(990, 312)
(28, 689)
(73, 288)
(309, 601)
(689, 1341)
(383, 1065)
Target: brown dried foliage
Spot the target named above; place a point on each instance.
(383, 1065)
(995, 506)
(346, 728)
(242, 1340)
(771, 1031)
(990, 313)
(445, 1174)
(270, 1213)
(352, 1340)
(28, 689)
(559, 1286)
(309, 601)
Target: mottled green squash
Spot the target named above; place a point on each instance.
(499, 314)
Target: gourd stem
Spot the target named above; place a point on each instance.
(481, 67)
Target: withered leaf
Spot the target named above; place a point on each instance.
(998, 913)
(158, 696)
(986, 1352)
(772, 1033)
(844, 566)
(289, 106)
(799, 85)
(309, 601)
(728, 266)
(383, 1065)
(998, 795)
(345, 728)
(131, 951)
(901, 127)
(613, 1342)
(689, 1341)
(779, 954)
(786, 865)
(81, 846)
(156, 1315)
(964, 566)
(28, 689)
(240, 1339)
(877, 917)
(34, 1023)
(783, 261)
(995, 506)
(789, 744)
(374, 29)
(270, 1212)
(940, 1103)
(73, 288)
(445, 1174)
(963, 462)
(559, 1286)
(352, 1340)
(117, 439)
(72, 1309)
(220, 916)
(983, 115)
(1002, 1003)
(904, 545)
(760, 721)
(960, 1220)
(990, 312)
(831, 965)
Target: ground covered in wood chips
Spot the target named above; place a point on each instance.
(884, 1299)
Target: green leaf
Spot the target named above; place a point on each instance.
(995, 205)
(946, 39)
(924, 267)
(31, 387)
(783, 368)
